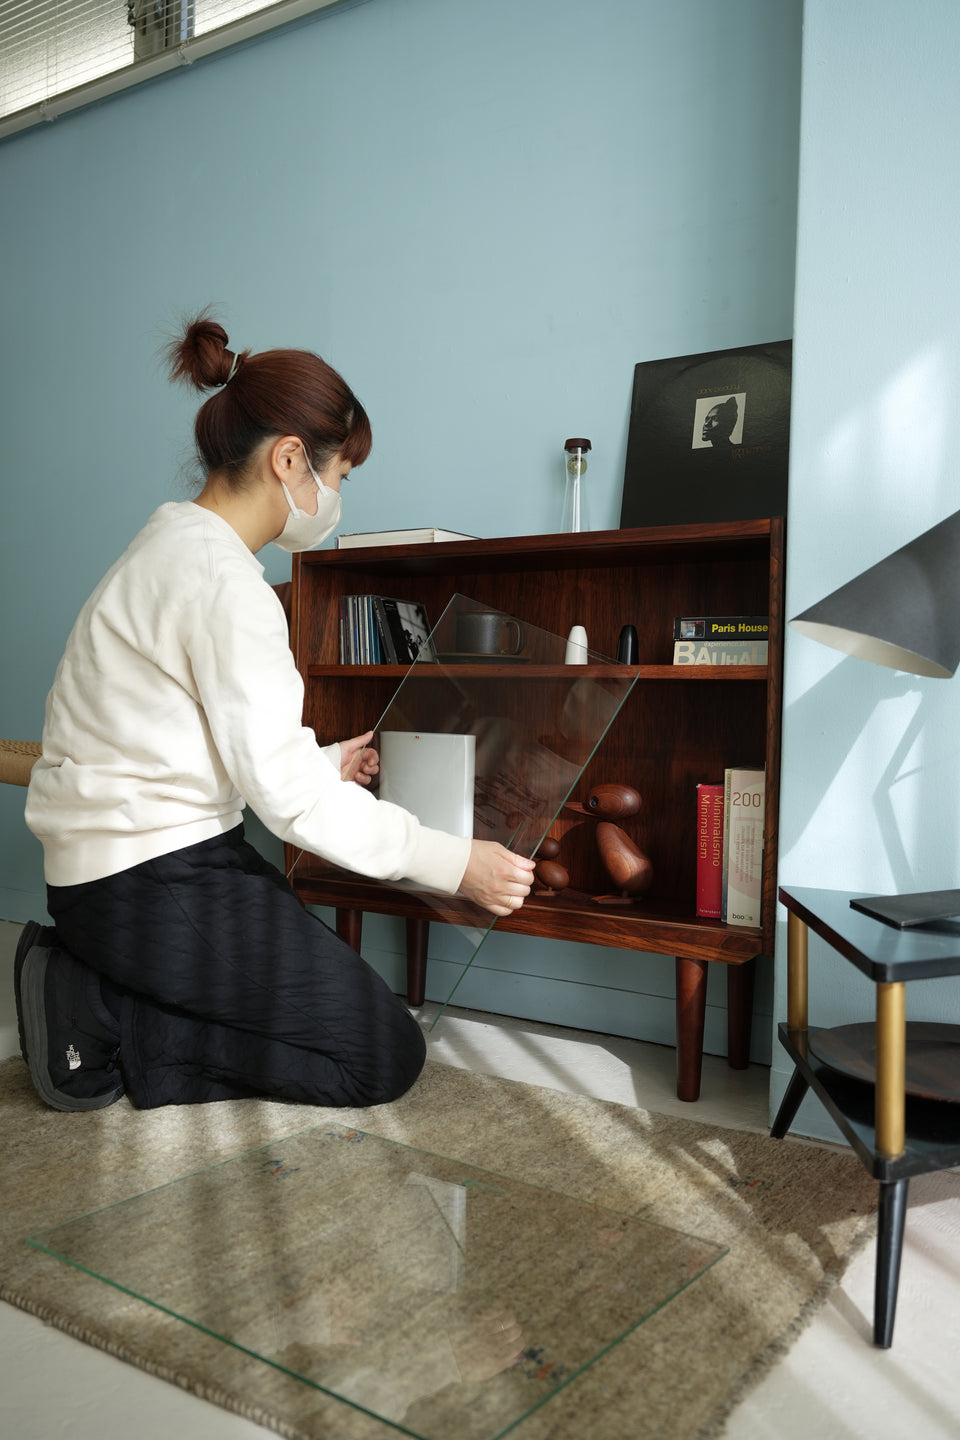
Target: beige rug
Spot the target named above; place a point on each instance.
(792, 1215)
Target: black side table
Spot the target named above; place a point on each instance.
(893, 1088)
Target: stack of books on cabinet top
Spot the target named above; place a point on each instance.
(730, 846)
(720, 639)
(378, 630)
(425, 534)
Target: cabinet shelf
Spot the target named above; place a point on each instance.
(674, 674)
(657, 927)
(742, 540)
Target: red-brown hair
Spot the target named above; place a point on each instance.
(273, 393)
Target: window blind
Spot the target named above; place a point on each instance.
(56, 55)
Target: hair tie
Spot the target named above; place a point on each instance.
(233, 367)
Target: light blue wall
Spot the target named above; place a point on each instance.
(871, 779)
(483, 211)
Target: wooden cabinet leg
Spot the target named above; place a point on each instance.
(691, 1009)
(739, 1013)
(349, 927)
(418, 934)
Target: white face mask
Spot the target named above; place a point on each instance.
(303, 531)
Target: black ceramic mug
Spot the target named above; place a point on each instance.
(486, 632)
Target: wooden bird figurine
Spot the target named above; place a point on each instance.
(552, 876)
(613, 802)
(628, 867)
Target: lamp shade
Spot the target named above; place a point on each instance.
(904, 612)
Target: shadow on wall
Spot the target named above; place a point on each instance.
(823, 731)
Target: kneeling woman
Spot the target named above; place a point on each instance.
(181, 967)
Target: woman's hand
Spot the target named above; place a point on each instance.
(496, 878)
(485, 1343)
(357, 762)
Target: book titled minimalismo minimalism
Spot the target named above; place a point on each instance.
(710, 851)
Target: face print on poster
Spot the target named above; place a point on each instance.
(718, 421)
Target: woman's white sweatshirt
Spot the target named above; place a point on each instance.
(177, 701)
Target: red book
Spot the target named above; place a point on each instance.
(710, 851)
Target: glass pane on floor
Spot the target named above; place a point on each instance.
(446, 1300)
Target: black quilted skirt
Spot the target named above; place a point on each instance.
(226, 986)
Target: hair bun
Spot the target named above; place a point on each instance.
(200, 356)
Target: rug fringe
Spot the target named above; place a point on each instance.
(784, 1342)
(213, 1394)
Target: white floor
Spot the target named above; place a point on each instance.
(833, 1384)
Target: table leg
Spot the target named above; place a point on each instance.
(691, 1009)
(797, 1019)
(789, 1105)
(891, 1067)
(418, 934)
(797, 1016)
(349, 927)
(891, 1215)
(739, 1013)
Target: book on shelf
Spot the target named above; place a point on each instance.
(720, 652)
(357, 643)
(710, 851)
(721, 627)
(423, 535)
(744, 795)
(379, 630)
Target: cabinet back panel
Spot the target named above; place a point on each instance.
(666, 740)
(648, 597)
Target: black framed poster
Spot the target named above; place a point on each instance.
(709, 437)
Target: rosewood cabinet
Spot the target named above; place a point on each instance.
(680, 725)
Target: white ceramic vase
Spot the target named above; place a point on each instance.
(576, 651)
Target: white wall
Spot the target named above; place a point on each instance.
(871, 778)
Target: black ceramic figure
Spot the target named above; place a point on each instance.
(628, 649)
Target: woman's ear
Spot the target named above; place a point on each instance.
(283, 456)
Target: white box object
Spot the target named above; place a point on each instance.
(432, 775)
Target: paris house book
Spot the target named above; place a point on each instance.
(713, 629)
